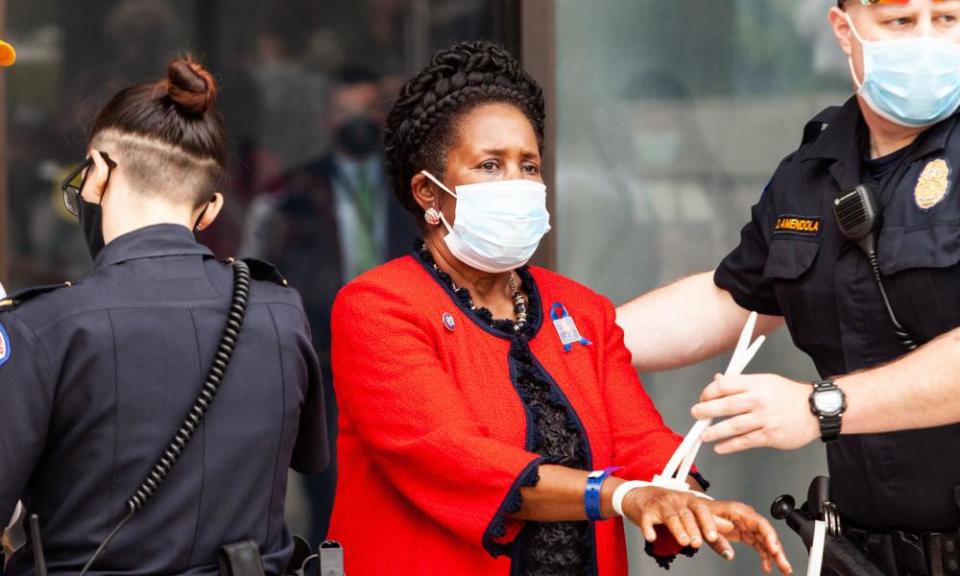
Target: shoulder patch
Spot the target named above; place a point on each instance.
(265, 271)
(4, 346)
(14, 300)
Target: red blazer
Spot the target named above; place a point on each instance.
(432, 430)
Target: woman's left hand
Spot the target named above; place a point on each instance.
(739, 522)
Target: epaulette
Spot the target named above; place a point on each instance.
(14, 300)
(819, 123)
(265, 271)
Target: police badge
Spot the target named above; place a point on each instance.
(933, 184)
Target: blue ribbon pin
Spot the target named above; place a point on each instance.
(566, 327)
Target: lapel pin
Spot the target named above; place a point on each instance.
(566, 327)
(448, 321)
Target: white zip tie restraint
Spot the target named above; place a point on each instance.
(815, 561)
(678, 467)
(674, 475)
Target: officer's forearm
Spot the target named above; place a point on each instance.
(684, 323)
(920, 390)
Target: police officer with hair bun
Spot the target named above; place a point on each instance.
(149, 412)
(855, 246)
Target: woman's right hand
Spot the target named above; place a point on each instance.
(691, 520)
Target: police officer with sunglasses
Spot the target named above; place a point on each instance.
(149, 413)
(855, 246)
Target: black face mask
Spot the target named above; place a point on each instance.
(90, 215)
(91, 222)
(359, 137)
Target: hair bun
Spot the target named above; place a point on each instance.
(190, 86)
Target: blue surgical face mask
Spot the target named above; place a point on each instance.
(498, 224)
(910, 81)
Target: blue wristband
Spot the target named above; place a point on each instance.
(591, 498)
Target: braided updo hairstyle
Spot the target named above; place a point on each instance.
(422, 124)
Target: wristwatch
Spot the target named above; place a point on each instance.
(828, 403)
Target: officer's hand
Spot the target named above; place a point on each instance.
(762, 410)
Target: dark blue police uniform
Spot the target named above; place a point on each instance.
(793, 261)
(96, 378)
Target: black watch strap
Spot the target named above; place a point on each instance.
(830, 424)
(830, 428)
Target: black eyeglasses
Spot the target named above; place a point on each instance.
(72, 186)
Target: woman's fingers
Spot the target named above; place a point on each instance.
(723, 525)
(782, 563)
(692, 526)
(691, 520)
(707, 525)
(765, 564)
(647, 521)
(673, 522)
(723, 547)
(770, 538)
(754, 530)
(766, 538)
(683, 515)
(768, 556)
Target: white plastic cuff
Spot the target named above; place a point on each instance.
(622, 490)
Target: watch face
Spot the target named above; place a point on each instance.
(829, 402)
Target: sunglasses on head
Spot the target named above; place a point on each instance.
(72, 185)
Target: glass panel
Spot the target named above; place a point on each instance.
(671, 117)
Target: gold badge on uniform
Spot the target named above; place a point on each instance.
(933, 184)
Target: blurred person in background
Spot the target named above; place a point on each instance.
(327, 221)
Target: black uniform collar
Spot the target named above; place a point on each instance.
(150, 242)
(836, 141)
(843, 142)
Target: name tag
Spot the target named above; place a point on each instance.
(803, 225)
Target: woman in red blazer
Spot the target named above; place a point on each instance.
(477, 393)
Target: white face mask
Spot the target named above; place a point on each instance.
(499, 224)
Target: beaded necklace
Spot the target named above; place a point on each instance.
(519, 300)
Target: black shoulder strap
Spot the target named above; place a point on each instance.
(818, 124)
(265, 271)
(18, 298)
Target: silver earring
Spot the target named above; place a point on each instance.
(431, 216)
